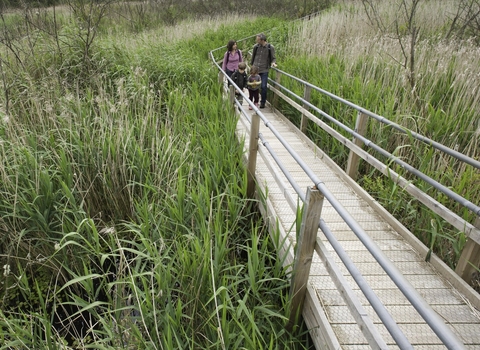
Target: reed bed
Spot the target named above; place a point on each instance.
(342, 52)
(124, 221)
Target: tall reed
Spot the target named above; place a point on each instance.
(342, 52)
(124, 222)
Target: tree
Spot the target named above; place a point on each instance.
(404, 28)
(466, 21)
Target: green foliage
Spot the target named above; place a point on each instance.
(124, 222)
(444, 112)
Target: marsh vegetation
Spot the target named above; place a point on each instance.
(123, 216)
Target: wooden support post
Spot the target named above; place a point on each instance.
(353, 158)
(220, 77)
(252, 155)
(470, 256)
(306, 97)
(278, 77)
(231, 96)
(304, 253)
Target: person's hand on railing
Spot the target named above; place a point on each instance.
(274, 65)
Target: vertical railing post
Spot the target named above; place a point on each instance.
(220, 77)
(278, 77)
(231, 96)
(306, 97)
(469, 261)
(353, 158)
(252, 154)
(304, 253)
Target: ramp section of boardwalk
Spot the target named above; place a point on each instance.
(328, 308)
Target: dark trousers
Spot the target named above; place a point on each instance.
(253, 95)
(239, 98)
(229, 73)
(263, 87)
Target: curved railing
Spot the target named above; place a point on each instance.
(357, 152)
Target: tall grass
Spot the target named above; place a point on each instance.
(342, 52)
(124, 222)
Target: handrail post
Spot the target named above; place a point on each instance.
(252, 154)
(306, 97)
(304, 253)
(469, 260)
(353, 158)
(220, 77)
(278, 77)
(231, 96)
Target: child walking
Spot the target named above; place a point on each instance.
(239, 77)
(254, 82)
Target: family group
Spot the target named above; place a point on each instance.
(263, 57)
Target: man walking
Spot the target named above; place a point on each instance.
(263, 57)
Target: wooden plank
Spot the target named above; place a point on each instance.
(303, 256)
(469, 261)
(252, 155)
(353, 158)
(358, 312)
(320, 329)
(278, 77)
(231, 96)
(220, 77)
(306, 96)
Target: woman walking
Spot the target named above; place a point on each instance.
(232, 58)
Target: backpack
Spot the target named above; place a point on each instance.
(255, 52)
(228, 56)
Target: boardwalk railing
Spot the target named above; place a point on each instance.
(315, 196)
(470, 257)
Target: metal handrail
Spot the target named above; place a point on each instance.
(377, 305)
(448, 192)
(432, 319)
(427, 313)
(460, 156)
(458, 222)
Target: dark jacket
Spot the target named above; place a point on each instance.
(263, 57)
(240, 79)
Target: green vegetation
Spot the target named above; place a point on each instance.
(124, 222)
(123, 217)
(342, 52)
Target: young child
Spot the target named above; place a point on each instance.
(254, 82)
(239, 77)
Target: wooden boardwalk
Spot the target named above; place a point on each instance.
(325, 311)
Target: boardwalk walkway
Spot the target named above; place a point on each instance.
(325, 311)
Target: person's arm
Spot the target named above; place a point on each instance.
(240, 57)
(273, 62)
